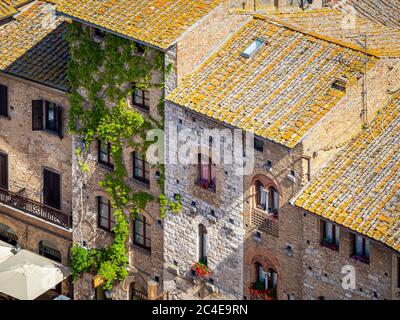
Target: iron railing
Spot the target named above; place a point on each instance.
(42, 211)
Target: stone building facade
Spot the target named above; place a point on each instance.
(26, 219)
(244, 241)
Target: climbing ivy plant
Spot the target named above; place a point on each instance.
(100, 74)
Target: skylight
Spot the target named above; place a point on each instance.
(253, 48)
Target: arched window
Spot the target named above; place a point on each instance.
(49, 250)
(272, 200)
(260, 276)
(272, 279)
(8, 235)
(203, 244)
(266, 199)
(206, 172)
(261, 195)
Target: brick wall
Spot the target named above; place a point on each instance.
(204, 37)
(28, 153)
(224, 230)
(322, 268)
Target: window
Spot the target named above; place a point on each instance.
(206, 172)
(340, 84)
(106, 219)
(140, 169)
(8, 235)
(203, 244)
(104, 153)
(398, 272)
(260, 276)
(258, 145)
(253, 48)
(330, 235)
(3, 171)
(142, 232)
(51, 189)
(360, 248)
(140, 48)
(3, 101)
(266, 199)
(98, 33)
(266, 280)
(48, 250)
(137, 292)
(140, 98)
(47, 116)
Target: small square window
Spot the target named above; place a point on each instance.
(3, 101)
(98, 33)
(258, 145)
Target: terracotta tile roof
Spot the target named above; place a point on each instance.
(156, 22)
(360, 189)
(386, 12)
(281, 92)
(33, 46)
(382, 40)
(7, 9)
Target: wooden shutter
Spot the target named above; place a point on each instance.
(37, 115)
(51, 189)
(3, 171)
(60, 121)
(3, 101)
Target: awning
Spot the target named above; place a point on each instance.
(5, 251)
(27, 275)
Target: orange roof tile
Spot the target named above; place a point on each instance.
(156, 22)
(360, 188)
(281, 92)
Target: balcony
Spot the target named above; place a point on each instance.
(266, 221)
(39, 210)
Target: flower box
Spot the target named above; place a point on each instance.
(200, 270)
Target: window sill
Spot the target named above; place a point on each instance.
(108, 231)
(269, 215)
(107, 166)
(204, 187)
(330, 246)
(143, 249)
(2, 116)
(360, 259)
(141, 108)
(141, 182)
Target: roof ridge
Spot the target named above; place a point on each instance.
(317, 35)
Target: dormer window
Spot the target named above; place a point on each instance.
(340, 84)
(253, 48)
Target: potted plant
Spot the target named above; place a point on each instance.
(200, 269)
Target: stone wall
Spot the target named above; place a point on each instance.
(28, 153)
(144, 267)
(205, 36)
(220, 212)
(322, 268)
(276, 234)
(344, 121)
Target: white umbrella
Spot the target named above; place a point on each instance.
(5, 250)
(27, 275)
